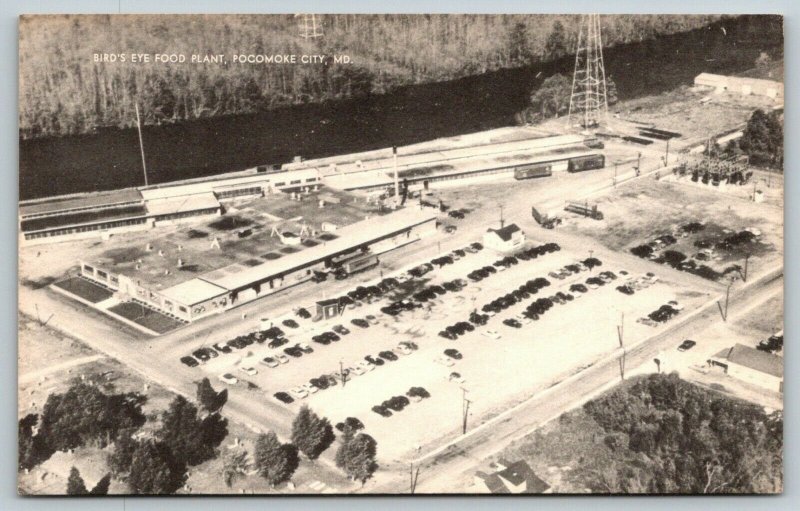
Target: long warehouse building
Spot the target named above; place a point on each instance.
(229, 286)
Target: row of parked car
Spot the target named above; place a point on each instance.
(398, 403)
(664, 313)
(275, 336)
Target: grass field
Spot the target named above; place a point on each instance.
(85, 289)
(148, 318)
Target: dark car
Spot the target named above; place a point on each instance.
(202, 354)
(388, 355)
(321, 383)
(321, 339)
(626, 289)
(222, 348)
(190, 361)
(418, 392)
(396, 403)
(512, 323)
(293, 351)
(448, 335)
(374, 361)
(360, 323)
(350, 422)
(283, 397)
(477, 246)
(453, 354)
(578, 288)
(339, 329)
(290, 323)
(276, 343)
(382, 411)
(686, 345)
(306, 349)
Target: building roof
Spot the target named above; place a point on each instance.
(515, 473)
(193, 291)
(237, 276)
(754, 359)
(57, 204)
(174, 205)
(505, 233)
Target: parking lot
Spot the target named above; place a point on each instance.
(499, 364)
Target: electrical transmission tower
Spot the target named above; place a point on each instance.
(588, 104)
(309, 27)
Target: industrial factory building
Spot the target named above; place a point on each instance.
(238, 283)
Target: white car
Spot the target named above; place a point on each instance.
(524, 320)
(357, 370)
(445, 361)
(491, 334)
(251, 371)
(403, 349)
(366, 366)
(299, 393)
(309, 388)
(283, 359)
(675, 305)
(229, 379)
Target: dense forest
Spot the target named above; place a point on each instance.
(64, 91)
(666, 435)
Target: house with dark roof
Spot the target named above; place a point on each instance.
(505, 239)
(751, 365)
(505, 477)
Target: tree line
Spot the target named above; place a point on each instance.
(669, 436)
(186, 434)
(64, 91)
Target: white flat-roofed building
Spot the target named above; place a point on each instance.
(752, 366)
(228, 286)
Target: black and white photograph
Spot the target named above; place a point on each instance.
(400, 254)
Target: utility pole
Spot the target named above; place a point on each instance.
(666, 156)
(638, 163)
(464, 410)
(724, 311)
(746, 260)
(502, 221)
(620, 336)
(341, 373)
(141, 142)
(414, 478)
(616, 162)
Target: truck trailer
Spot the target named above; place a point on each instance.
(583, 208)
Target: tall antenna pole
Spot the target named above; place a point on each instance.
(588, 103)
(141, 142)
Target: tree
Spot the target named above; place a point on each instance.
(552, 97)
(234, 464)
(611, 92)
(101, 488)
(275, 462)
(762, 139)
(311, 434)
(192, 440)
(155, 471)
(210, 399)
(356, 456)
(119, 461)
(84, 413)
(556, 45)
(75, 484)
(518, 52)
(33, 449)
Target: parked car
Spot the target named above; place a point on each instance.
(360, 323)
(492, 334)
(374, 361)
(454, 354)
(290, 323)
(250, 371)
(341, 330)
(350, 422)
(283, 359)
(299, 393)
(293, 351)
(284, 398)
(190, 361)
(222, 348)
(686, 345)
(276, 343)
(382, 411)
(512, 323)
(270, 362)
(229, 379)
(388, 355)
